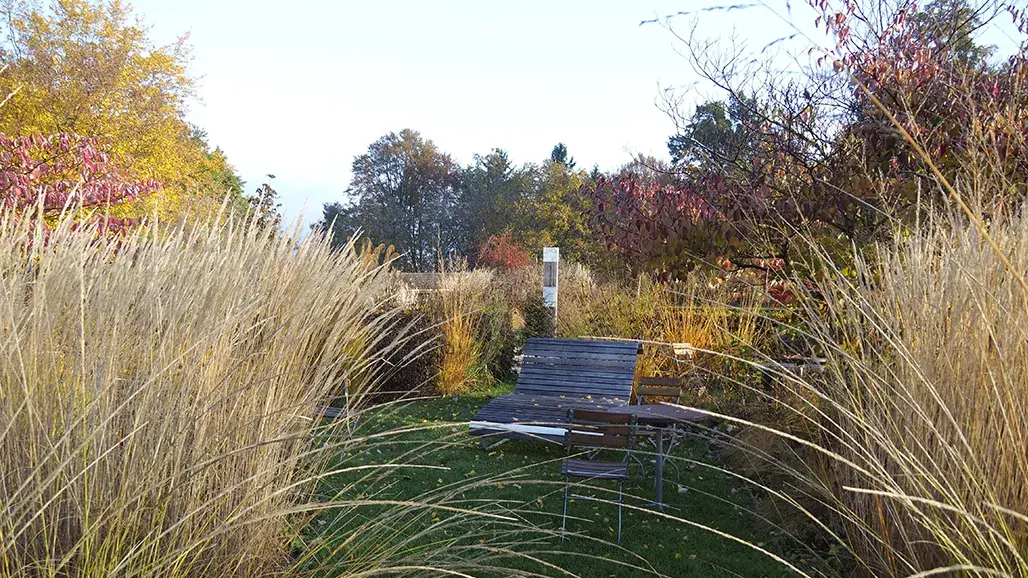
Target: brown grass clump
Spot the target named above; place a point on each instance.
(715, 318)
(158, 393)
(930, 386)
(463, 296)
(913, 441)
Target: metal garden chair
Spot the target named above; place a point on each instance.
(668, 389)
(596, 430)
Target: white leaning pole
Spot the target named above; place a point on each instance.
(551, 260)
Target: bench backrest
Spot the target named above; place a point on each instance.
(578, 368)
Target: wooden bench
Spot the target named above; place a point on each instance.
(557, 375)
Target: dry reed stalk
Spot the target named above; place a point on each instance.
(932, 376)
(915, 436)
(463, 295)
(159, 395)
(708, 317)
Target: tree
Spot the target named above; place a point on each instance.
(338, 222)
(656, 222)
(215, 175)
(925, 67)
(557, 214)
(560, 155)
(265, 206)
(717, 133)
(949, 26)
(89, 67)
(788, 156)
(402, 194)
(501, 252)
(490, 195)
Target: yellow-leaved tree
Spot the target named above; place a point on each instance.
(89, 67)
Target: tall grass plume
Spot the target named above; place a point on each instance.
(158, 393)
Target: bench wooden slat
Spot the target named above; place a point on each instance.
(562, 403)
(561, 387)
(581, 354)
(578, 392)
(658, 391)
(575, 390)
(558, 363)
(584, 375)
(662, 381)
(595, 344)
(538, 410)
(594, 469)
(530, 373)
(585, 347)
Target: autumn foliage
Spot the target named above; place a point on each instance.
(501, 252)
(66, 174)
(91, 68)
(62, 171)
(822, 160)
(924, 66)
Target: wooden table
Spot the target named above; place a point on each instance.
(660, 417)
(544, 418)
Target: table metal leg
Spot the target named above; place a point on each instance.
(658, 483)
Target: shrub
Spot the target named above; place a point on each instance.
(65, 173)
(496, 334)
(411, 352)
(501, 252)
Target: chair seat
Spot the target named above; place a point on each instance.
(594, 469)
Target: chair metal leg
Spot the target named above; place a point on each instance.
(621, 501)
(642, 465)
(674, 464)
(676, 441)
(564, 517)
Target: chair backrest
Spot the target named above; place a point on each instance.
(659, 387)
(599, 430)
(578, 368)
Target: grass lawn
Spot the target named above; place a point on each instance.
(521, 479)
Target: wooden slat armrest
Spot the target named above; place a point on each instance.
(663, 381)
(658, 391)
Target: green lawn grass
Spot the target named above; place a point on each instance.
(522, 479)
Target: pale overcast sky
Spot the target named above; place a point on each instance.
(299, 88)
